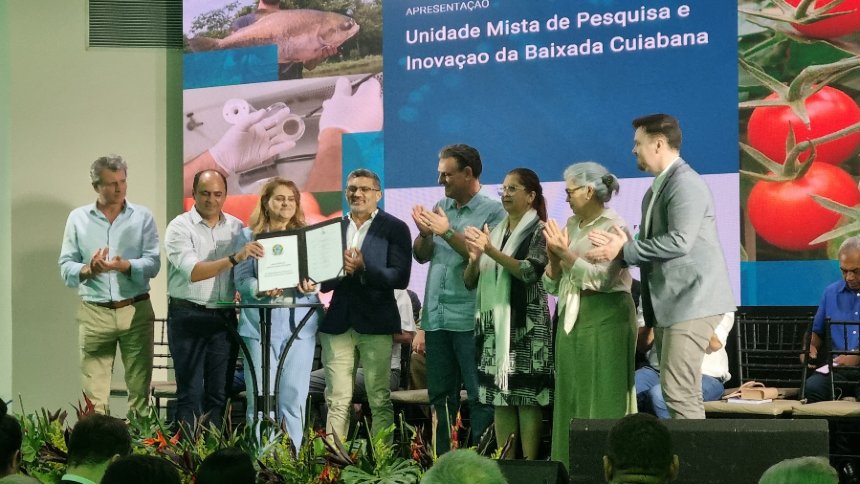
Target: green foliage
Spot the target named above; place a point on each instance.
(44, 445)
(215, 23)
(322, 458)
(308, 467)
(345, 68)
(368, 41)
(382, 464)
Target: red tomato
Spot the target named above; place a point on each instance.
(829, 110)
(784, 214)
(832, 27)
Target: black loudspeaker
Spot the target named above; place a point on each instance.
(533, 472)
(711, 451)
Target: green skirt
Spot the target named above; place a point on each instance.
(594, 366)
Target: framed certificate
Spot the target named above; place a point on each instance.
(314, 252)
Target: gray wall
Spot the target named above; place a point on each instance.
(61, 106)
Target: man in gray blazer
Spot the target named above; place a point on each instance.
(685, 283)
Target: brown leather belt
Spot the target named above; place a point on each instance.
(123, 303)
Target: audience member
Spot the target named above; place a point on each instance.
(227, 466)
(801, 470)
(10, 448)
(141, 469)
(639, 450)
(95, 442)
(596, 333)
(464, 466)
(514, 330)
(448, 319)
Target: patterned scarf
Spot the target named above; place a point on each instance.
(494, 291)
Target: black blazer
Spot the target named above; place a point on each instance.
(365, 301)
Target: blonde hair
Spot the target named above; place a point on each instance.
(260, 218)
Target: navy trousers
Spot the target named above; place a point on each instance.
(204, 357)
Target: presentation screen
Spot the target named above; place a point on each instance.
(310, 89)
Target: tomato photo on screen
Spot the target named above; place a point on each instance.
(832, 27)
(785, 215)
(829, 111)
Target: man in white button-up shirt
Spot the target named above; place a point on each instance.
(202, 245)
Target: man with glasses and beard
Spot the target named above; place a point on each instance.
(363, 314)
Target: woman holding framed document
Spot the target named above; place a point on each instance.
(279, 209)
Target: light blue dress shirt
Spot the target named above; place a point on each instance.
(448, 304)
(132, 236)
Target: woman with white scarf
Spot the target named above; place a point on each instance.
(513, 324)
(595, 342)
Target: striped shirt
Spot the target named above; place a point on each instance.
(187, 241)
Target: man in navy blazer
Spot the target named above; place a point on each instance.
(362, 316)
(685, 282)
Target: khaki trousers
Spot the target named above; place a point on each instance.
(339, 355)
(682, 348)
(100, 330)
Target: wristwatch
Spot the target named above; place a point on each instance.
(232, 258)
(448, 234)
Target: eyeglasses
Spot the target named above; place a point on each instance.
(571, 191)
(505, 189)
(351, 189)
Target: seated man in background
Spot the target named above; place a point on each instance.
(715, 369)
(639, 449)
(840, 302)
(95, 442)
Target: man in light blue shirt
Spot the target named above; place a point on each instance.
(110, 252)
(448, 320)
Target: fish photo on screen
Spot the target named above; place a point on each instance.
(275, 41)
